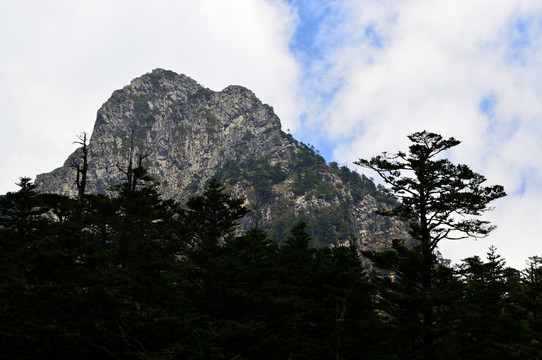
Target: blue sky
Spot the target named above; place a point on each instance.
(351, 77)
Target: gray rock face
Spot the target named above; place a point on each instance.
(191, 134)
(187, 130)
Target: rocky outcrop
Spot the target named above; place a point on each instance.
(191, 134)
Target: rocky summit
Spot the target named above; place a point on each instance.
(188, 134)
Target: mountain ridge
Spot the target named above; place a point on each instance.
(189, 134)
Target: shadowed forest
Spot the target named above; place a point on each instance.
(135, 276)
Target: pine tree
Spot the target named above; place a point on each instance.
(20, 226)
(208, 223)
(45, 272)
(440, 200)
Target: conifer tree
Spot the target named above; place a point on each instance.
(440, 201)
(211, 217)
(208, 223)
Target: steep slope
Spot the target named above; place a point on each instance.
(191, 134)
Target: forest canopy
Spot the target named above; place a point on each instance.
(135, 276)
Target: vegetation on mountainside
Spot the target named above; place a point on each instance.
(308, 176)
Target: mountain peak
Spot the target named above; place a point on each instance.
(189, 134)
(184, 127)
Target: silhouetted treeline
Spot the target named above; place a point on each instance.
(133, 276)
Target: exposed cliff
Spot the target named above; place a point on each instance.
(192, 134)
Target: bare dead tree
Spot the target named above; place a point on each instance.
(81, 168)
(135, 174)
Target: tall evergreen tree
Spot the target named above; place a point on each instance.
(440, 200)
(21, 225)
(140, 312)
(493, 319)
(208, 222)
(45, 267)
(532, 299)
(212, 216)
(297, 269)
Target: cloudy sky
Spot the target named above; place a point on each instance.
(352, 78)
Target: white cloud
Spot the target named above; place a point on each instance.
(62, 59)
(517, 234)
(383, 69)
(433, 65)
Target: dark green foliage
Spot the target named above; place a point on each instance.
(330, 313)
(328, 224)
(306, 175)
(229, 173)
(325, 226)
(305, 180)
(405, 303)
(90, 283)
(141, 106)
(260, 173)
(308, 156)
(156, 77)
(284, 220)
(262, 177)
(141, 103)
(137, 277)
(324, 190)
(360, 184)
(440, 200)
(211, 217)
(201, 93)
(437, 191)
(492, 322)
(191, 188)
